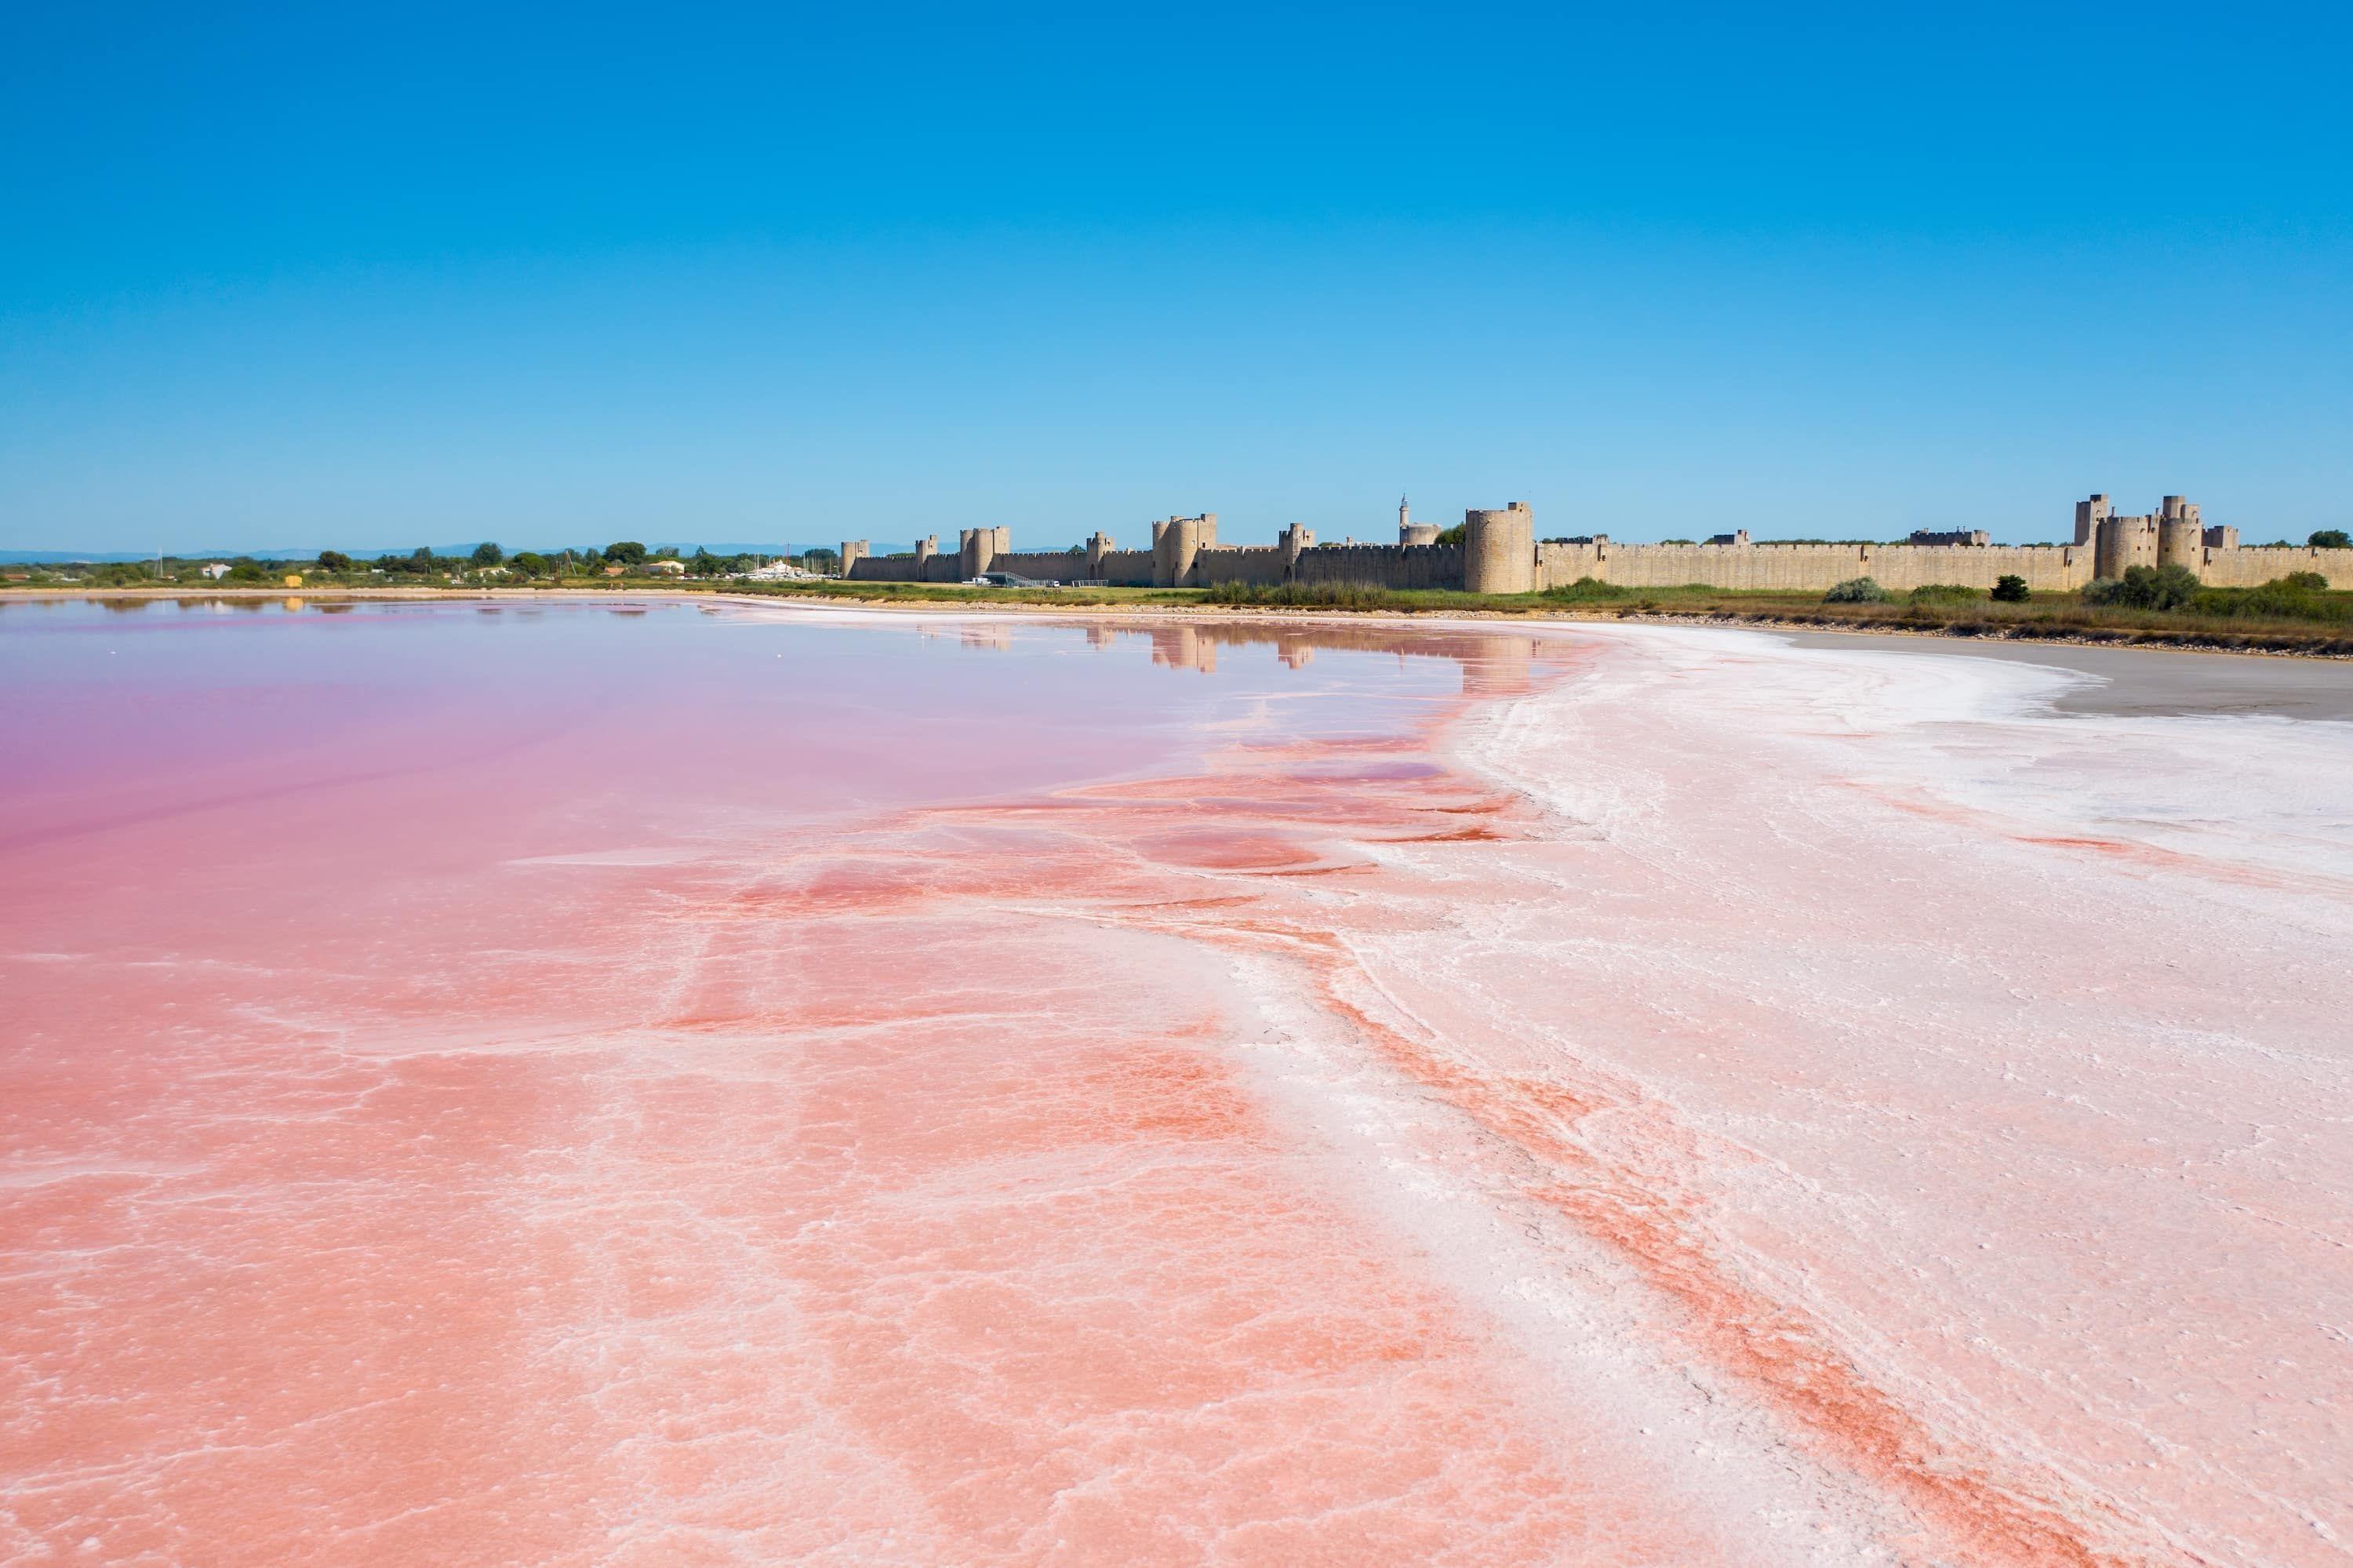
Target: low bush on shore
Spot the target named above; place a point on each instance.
(1945, 593)
(1584, 590)
(2144, 588)
(2299, 595)
(1857, 590)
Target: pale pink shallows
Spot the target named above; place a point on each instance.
(684, 1087)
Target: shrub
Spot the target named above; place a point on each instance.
(2279, 598)
(1857, 590)
(1943, 593)
(2009, 588)
(2144, 588)
(2330, 539)
(1335, 595)
(1582, 589)
(2291, 598)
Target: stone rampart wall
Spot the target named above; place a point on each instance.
(1045, 566)
(1384, 566)
(1237, 564)
(1810, 568)
(1787, 568)
(1127, 568)
(887, 569)
(2251, 566)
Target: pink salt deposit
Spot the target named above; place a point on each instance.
(757, 1087)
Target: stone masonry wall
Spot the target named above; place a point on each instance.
(2251, 566)
(886, 569)
(1792, 568)
(1127, 568)
(1384, 566)
(1045, 566)
(1237, 564)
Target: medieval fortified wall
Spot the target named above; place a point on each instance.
(1500, 554)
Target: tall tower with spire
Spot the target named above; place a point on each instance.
(1411, 532)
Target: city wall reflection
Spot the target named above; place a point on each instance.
(1493, 663)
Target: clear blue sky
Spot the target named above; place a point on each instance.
(374, 276)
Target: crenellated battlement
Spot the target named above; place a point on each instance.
(1499, 553)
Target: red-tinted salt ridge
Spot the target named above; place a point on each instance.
(889, 1261)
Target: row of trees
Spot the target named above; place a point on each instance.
(629, 555)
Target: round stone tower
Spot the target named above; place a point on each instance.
(1499, 550)
(1176, 546)
(2181, 536)
(2125, 542)
(978, 549)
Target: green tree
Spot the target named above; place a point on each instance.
(334, 561)
(2145, 588)
(625, 553)
(486, 554)
(420, 560)
(530, 563)
(2330, 539)
(2009, 588)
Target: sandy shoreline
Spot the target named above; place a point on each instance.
(2147, 682)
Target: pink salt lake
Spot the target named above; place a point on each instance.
(649, 1085)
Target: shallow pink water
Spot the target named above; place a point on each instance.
(688, 1087)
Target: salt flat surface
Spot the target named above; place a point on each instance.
(755, 1087)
